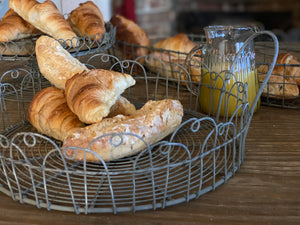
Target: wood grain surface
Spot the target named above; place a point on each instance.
(266, 190)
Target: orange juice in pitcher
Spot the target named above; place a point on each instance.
(229, 78)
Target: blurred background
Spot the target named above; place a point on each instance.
(168, 17)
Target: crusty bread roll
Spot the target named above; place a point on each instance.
(87, 19)
(55, 63)
(13, 27)
(284, 80)
(50, 115)
(45, 17)
(173, 52)
(130, 32)
(91, 94)
(153, 122)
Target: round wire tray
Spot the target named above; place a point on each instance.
(199, 156)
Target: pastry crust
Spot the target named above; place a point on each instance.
(153, 122)
(122, 107)
(45, 17)
(50, 115)
(131, 33)
(87, 20)
(284, 80)
(13, 27)
(172, 52)
(91, 94)
(55, 63)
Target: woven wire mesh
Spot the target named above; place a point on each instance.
(200, 155)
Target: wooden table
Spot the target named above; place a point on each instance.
(266, 190)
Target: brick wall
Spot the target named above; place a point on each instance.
(156, 17)
(160, 17)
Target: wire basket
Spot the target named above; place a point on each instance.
(24, 49)
(274, 93)
(283, 87)
(199, 156)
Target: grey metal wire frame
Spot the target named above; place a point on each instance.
(203, 153)
(24, 49)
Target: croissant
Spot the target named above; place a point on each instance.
(122, 107)
(50, 115)
(55, 63)
(173, 52)
(91, 94)
(13, 27)
(45, 17)
(87, 19)
(131, 33)
(284, 80)
(153, 122)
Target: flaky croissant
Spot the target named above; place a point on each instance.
(131, 33)
(91, 94)
(50, 115)
(87, 19)
(13, 27)
(45, 17)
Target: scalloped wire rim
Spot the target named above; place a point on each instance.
(202, 154)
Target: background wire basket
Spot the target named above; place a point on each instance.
(282, 89)
(175, 62)
(200, 155)
(24, 49)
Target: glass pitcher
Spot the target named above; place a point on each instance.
(229, 77)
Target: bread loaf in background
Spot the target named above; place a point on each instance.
(46, 17)
(153, 122)
(285, 77)
(87, 20)
(130, 32)
(91, 94)
(173, 51)
(50, 115)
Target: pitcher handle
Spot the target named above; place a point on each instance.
(203, 47)
(276, 50)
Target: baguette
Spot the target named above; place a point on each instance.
(50, 115)
(13, 27)
(45, 17)
(91, 94)
(153, 122)
(87, 20)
